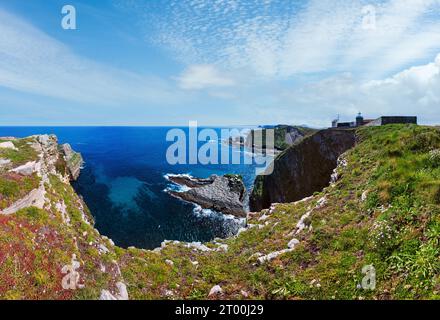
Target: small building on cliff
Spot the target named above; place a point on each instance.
(384, 120)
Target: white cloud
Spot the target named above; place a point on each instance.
(33, 62)
(282, 38)
(205, 76)
(414, 91)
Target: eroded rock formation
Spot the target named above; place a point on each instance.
(224, 194)
(302, 169)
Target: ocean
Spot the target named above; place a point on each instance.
(124, 181)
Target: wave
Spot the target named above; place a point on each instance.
(174, 186)
(179, 175)
(200, 212)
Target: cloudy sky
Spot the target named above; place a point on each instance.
(219, 62)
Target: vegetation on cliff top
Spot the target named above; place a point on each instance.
(384, 211)
(23, 154)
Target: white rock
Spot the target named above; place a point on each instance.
(123, 293)
(103, 249)
(62, 208)
(44, 139)
(321, 202)
(169, 293)
(4, 162)
(8, 145)
(198, 246)
(364, 195)
(106, 295)
(245, 294)
(272, 255)
(273, 208)
(35, 198)
(169, 262)
(28, 168)
(216, 290)
(301, 223)
(255, 256)
(241, 230)
(223, 247)
(292, 243)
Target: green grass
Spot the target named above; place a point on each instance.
(25, 152)
(396, 229)
(14, 187)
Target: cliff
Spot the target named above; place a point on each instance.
(382, 210)
(284, 137)
(48, 246)
(302, 169)
(73, 160)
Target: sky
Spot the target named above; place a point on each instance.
(218, 62)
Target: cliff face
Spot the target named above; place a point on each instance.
(302, 169)
(49, 248)
(222, 194)
(284, 136)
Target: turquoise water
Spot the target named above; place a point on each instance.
(123, 184)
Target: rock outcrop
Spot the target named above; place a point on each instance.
(47, 229)
(302, 169)
(74, 160)
(47, 163)
(223, 194)
(8, 145)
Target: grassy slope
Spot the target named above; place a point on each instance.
(396, 228)
(24, 153)
(36, 244)
(12, 186)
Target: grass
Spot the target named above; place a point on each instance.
(396, 229)
(36, 244)
(25, 152)
(14, 187)
(280, 136)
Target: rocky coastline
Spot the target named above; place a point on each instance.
(225, 194)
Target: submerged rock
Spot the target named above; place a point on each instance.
(223, 194)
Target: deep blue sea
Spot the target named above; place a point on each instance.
(123, 184)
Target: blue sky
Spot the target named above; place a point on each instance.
(219, 62)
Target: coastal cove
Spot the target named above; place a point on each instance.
(123, 183)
